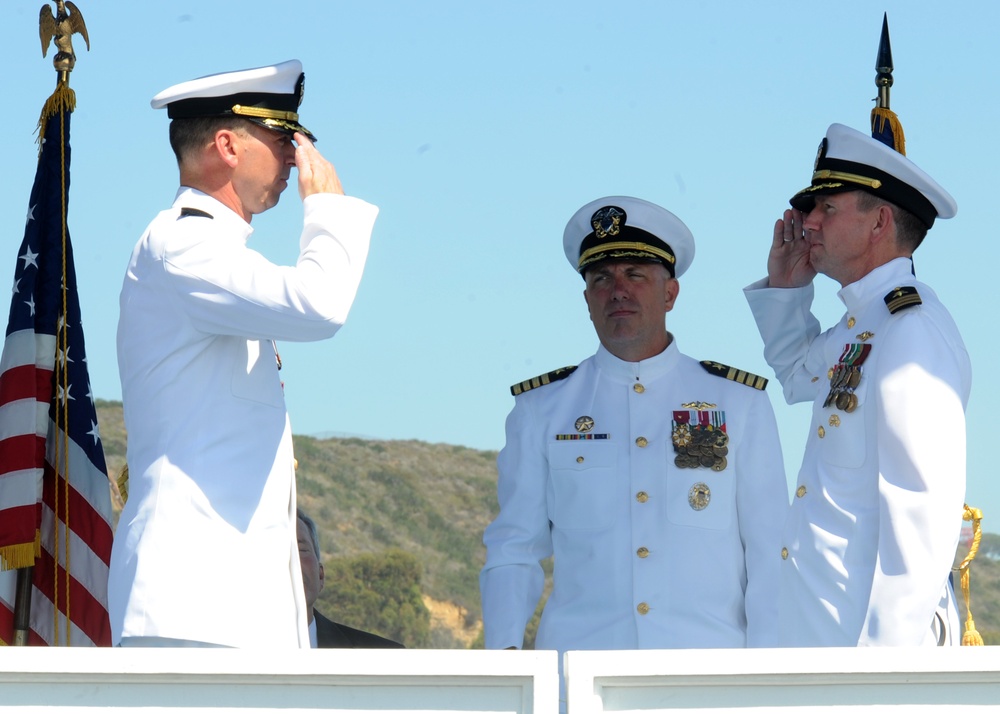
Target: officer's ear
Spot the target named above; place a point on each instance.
(671, 289)
(884, 221)
(225, 145)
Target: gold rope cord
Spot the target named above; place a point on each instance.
(62, 102)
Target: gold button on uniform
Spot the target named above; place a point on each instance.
(642, 497)
(784, 553)
(642, 608)
(641, 442)
(821, 431)
(638, 388)
(643, 552)
(850, 322)
(800, 491)
(579, 459)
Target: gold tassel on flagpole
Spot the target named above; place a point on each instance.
(971, 636)
(63, 100)
(881, 115)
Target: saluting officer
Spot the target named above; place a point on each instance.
(655, 480)
(876, 516)
(206, 544)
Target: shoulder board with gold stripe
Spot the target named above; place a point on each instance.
(736, 375)
(541, 380)
(902, 298)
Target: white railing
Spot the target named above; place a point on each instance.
(830, 681)
(189, 681)
(789, 681)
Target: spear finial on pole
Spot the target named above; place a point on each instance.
(66, 21)
(883, 65)
(885, 124)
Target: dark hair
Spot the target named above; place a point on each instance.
(910, 230)
(192, 134)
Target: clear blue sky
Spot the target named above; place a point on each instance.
(479, 128)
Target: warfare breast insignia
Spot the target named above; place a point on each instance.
(700, 439)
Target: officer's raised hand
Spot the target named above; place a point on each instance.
(788, 264)
(316, 174)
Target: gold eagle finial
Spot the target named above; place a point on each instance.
(66, 21)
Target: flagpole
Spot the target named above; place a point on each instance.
(57, 28)
(22, 605)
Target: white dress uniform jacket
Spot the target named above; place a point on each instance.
(877, 514)
(205, 549)
(636, 565)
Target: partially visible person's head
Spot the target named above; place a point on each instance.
(313, 575)
(630, 253)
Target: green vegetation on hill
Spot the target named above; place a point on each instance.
(402, 520)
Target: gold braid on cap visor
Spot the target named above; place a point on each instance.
(261, 113)
(850, 178)
(639, 248)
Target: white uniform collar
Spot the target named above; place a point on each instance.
(877, 283)
(188, 197)
(313, 635)
(647, 369)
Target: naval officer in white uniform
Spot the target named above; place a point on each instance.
(877, 512)
(655, 480)
(205, 551)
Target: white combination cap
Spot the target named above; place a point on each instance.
(851, 161)
(625, 228)
(269, 96)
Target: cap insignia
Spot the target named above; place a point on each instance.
(608, 221)
(820, 154)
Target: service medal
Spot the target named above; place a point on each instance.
(699, 437)
(845, 377)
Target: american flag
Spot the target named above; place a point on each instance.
(55, 502)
